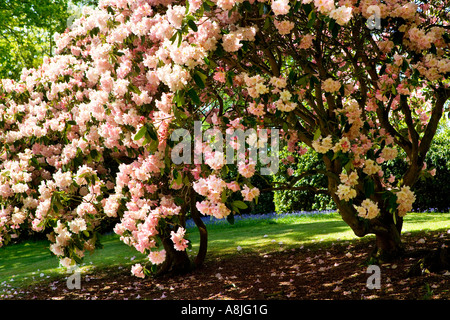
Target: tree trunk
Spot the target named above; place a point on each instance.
(388, 244)
(203, 248)
(176, 263)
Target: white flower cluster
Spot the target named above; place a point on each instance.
(323, 145)
(345, 190)
(405, 200)
(368, 209)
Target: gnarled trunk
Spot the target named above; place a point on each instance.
(203, 247)
(176, 263)
(388, 245)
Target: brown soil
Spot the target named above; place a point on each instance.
(315, 272)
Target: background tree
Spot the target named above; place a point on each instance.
(27, 29)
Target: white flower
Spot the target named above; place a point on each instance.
(368, 209)
(405, 200)
(66, 262)
(331, 85)
(285, 95)
(342, 15)
(77, 225)
(370, 167)
(323, 145)
(345, 192)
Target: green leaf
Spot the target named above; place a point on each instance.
(230, 218)
(174, 37)
(317, 134)
(110, 10)
(154, 146)
(151, 131)
(192, 25)
(134, 89)
(180, 38)
(194, 96)
(239, 204)
(311, 19)
(229, 78)
(141, 133)
(266, 23)
(77, 259)
(96, 156)
(179, 98)
(312, 81)
(405, 65)
(307, 8)
(179, 178)
(335, 30)
(199, 79)
(331, 25)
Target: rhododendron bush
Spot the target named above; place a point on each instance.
(94, 133)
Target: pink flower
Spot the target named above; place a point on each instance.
(250, 194)
(306, 41)
(233, 186)
(219, 77)
(179, 242)
(284, 27)
(215, 160)
(256, 109)
(246, 170)
(331, 85)
(324, 6)
(280, 7)
(157, 257)
(175, 15)
(342, 15)
(138, 271)
(290, 171)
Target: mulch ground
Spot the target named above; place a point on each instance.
(315, 272)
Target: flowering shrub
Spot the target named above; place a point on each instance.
(131, 72)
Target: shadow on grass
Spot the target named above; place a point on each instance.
(269, 235)
(33, 258)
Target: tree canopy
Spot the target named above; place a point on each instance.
(127, 121)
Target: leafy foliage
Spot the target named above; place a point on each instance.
(26, 31)
(303, 200)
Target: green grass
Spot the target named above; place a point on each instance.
(265, 235)
(31, 261)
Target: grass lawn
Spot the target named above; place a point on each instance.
(294, 231)
(27, 262)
